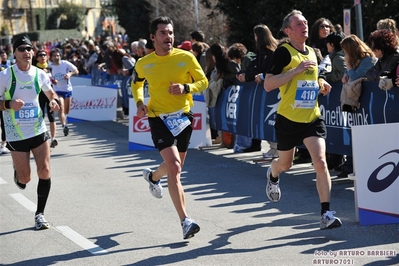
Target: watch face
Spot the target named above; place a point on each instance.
(186, 88)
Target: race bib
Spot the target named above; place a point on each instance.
(306, 94)
(26, 116)
(176, 122)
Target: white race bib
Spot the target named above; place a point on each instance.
(306, 94)
(176, 122)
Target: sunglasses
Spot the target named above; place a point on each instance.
(41, 55)
(24, 48)
(325, 26)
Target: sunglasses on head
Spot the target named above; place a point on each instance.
(24, 48)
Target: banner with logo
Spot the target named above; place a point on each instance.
(376, 164)
(247, 109)
(140, 134)
(93, 103)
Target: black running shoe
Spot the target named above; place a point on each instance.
(53, 143)
(19, 185)
(66, 131)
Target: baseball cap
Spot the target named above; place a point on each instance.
(186, 45)
(20, 41)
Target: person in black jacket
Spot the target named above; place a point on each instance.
(265, 46)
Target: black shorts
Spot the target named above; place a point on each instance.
(163, 138)
(45, 106)
(290, 134)
(27, 145)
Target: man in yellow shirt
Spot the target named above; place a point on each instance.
(172, 75)
(294, 71)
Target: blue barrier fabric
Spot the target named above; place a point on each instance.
(99, 78)
(247, 109)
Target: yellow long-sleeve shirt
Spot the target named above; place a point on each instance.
(177, 67)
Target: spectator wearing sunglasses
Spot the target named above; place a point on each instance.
(26, 131)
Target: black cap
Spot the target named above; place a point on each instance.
(20, 41)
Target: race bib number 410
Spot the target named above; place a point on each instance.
(306, 94)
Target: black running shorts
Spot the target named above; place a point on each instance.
(290, 134)
(27, 145)
(163, 138)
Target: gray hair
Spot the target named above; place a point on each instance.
(286, 21)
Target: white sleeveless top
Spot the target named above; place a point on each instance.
(27, 122)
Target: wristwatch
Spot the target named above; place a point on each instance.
(186, 88)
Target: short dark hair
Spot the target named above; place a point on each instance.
(237, 50)
(197, 35)
(159, 20)
(335, 38)
(55, 51)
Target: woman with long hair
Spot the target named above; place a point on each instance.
(359, 58)
(321, 28)
(265, 46)
(226, 70)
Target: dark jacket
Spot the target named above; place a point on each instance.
(383, 65)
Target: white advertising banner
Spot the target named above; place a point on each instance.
(140, 134)
(93, 103)
(376, 167)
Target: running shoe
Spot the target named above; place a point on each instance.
(272, 153)
(4, 150)
(155, 188)
(66, 131)
(19, 185)
(40, 222)
(53, 143)
(329, 221)
(273, 191)
(190, 228)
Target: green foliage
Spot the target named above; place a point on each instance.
(242, 16)
(134, 17)
(66, 16)
(33, 35)
(50, 35)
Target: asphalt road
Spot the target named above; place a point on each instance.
(101, 211)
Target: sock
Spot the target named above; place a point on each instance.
(325, 206)
(272, 178)
(152, 181)
(43, 190)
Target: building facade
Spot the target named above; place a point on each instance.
(19, 16)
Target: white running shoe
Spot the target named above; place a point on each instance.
(329, 221)
(272, 153)
(4, 150)
(155, 189)
(190, 228)
(41, 223)
(273, 191)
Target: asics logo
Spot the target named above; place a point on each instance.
(379, 184)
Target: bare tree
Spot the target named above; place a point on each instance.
(185, 20)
